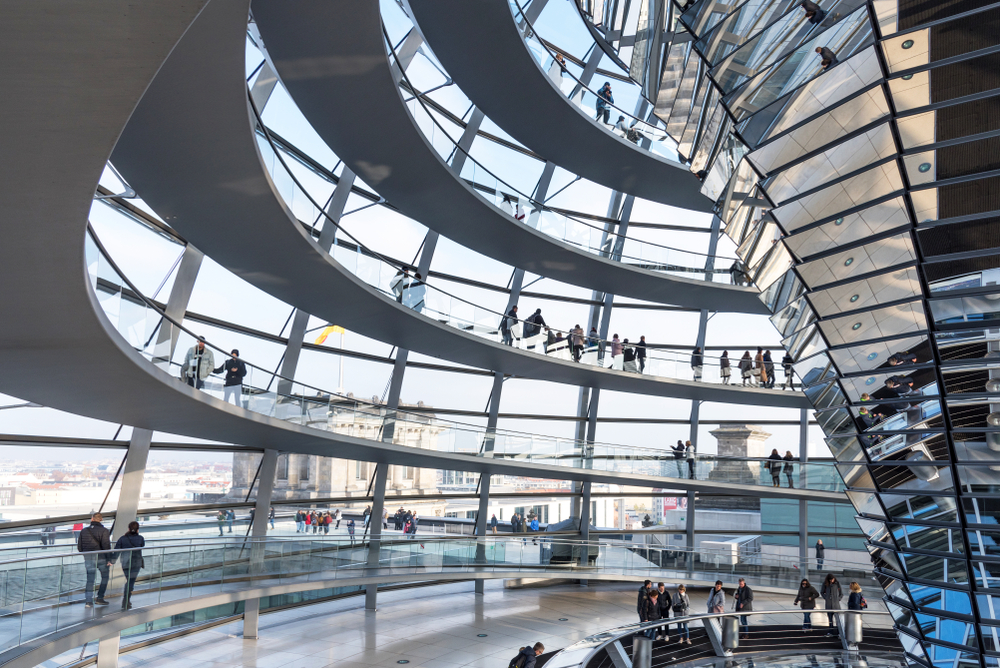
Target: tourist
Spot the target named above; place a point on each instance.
(769, 369)
(616, 348)
(743, 602)
(128, 548)
(640, 354)
(663, 600)
(724, 367)
(576, 339)
(526, 656)
(270, 516)
(679, 457)
(533, 324)
(855, 601)
(337, 516)
(327, 521)
(198, 364)
(697, 363)
(789, 468)
(604, 100)
(827, 57)
(689, 451)
(221, 517)
(235, 371)
(644, 590)
(820, 553)
(650, 613)
(493, 523)
(300, 522)
(717, 599)
(813, 12)
(350, 530)
(230, 518)
(746, 367)
(628, 358)
(806, 599)
(95, 538)
(398, 282)
(366, 516)
(680, 604)
(593, 339)
(507, 326)
(773, 464)
(759, 372)
(832, 594)
(787, 364)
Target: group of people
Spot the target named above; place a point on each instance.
(521, 524)
(409, 290)
(94, 543)
(777, 465)
(405, 521)
(755, 371)
(656, 604)
(199, 364)
(320, 521)
(684, 451)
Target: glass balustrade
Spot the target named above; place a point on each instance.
(581, 234)
(455, 312)
(149, 332)
(43, 594)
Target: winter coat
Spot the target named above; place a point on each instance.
(94, 538)
(716, 599)
(650, 610)
(640, 350)
(744, 599)
(745, 364)
(529, 654)
(768, 364)
(663, 601)
(604, 97)
(205, 367)
(680, 604)
(832, 594)
(789, 463)
(643, 595)
(131, 558)
(493, 522)
(628, 354)
(534, 524)
(697, 359)
(773, 463)
(854, 601)
(820, 550)
(724, 362)
(806, 598)
(576, 336)
(616, 347)
(235, 371)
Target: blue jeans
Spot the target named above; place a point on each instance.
(682, 630)
(744, 624)
(300, 527)
(93, 564)
(650, 633)
(807, 622)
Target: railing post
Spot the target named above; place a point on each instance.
(730, 633)
(642, 652)
(258, 532)
(107, 651)
(714, 631)
(850, 629)
(618, 655)
(375, 536)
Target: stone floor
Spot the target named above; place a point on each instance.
(438, 627)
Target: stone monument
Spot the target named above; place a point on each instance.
(738, 441)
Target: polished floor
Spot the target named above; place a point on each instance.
(444, 626)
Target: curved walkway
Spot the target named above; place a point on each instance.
(332, 59)
(217, 194)
(481, 47)
(45, 611)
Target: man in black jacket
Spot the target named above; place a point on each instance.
(644, 590)
(533, 324)
(95, 538)
(640, 354)
(235, 371)
(743, 603)
(507, 326)
(529, 653)
(663, 600)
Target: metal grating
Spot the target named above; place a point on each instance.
(913, 13)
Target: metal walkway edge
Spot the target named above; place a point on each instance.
(471, 37)
(331, 57)
(190, 152)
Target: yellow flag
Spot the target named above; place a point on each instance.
(327, 331)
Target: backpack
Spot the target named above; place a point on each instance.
(519, 660)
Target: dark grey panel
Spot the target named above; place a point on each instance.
(332, 60)
(479, 44)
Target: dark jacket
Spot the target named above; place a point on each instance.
(533, 325)
(650, 610)
(789, 463)
(508, 321)
(820, 550)
(663, 601)
(678, 450)
(604, 98)
(806, 598)
(628, 354)
(724, 362)
(774, 463)
(769, 364)
(640, 350)
(787, 362)
(643, 595)
(529, 653)
(832, 594)
(235, 371)
(826, 54)
(697, 359)
(746, 364)
(854, 601)
(94, 538)
(744, 598)
(131, 559)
